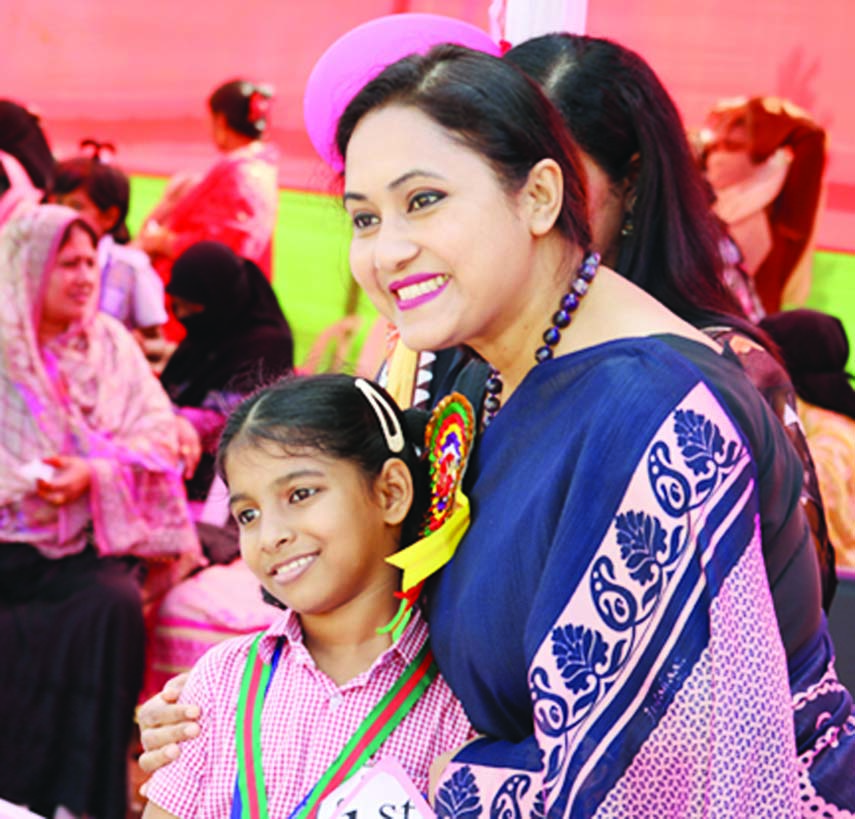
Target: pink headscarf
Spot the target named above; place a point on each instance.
(88, 392)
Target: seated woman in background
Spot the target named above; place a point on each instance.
(131, 291)
(89, 484)
(235, 202)
(815, 349)
(237, 339)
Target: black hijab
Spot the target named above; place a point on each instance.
(815, 350)
(241, 339)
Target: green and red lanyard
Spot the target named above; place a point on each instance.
(250, 797)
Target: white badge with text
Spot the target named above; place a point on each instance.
(383, 791)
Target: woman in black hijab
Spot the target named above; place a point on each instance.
(237, 339)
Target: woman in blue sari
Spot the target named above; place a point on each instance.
(606, 620)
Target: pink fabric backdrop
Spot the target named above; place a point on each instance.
(138, 71)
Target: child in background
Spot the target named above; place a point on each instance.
(325, 482)
(131, 290)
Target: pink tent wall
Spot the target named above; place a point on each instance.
(138, 71)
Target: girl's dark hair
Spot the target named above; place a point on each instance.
(620, 114)
(106, 185)
(489, 107)
(328, 414)
(245, 105)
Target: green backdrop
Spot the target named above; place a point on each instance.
(311, 277)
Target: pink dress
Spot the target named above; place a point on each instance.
(234, 203)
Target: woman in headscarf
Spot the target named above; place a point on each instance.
(237, 339)
(89, 486)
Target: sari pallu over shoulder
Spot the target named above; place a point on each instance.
(615, 556)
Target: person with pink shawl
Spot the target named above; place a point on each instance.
(235, 202)
(90, 491)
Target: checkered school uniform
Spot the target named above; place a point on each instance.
(307, 720)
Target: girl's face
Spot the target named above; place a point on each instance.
(312, 530)
(438, 245)
(71, 288)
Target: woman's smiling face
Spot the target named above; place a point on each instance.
(72, 286)
(439, 245)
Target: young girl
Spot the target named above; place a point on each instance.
(325, 482)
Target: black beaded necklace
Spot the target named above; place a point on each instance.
(560, 320)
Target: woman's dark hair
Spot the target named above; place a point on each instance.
(329, 414)
(245, 106)
(621, 116)
(82, 225)
(106, 185)
(489, 107)
(21, 135)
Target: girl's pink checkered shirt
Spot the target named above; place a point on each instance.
(306, 721)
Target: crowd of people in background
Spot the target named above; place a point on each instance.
(660, 490)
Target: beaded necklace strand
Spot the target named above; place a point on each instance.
(560, 321)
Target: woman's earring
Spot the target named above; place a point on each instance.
(627, 228)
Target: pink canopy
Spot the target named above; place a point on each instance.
(138, 73)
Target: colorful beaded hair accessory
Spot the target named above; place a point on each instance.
(448, 442)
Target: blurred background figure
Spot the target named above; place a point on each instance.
(237, 339)
(815, 350)
(131, 290)
(22, 136)
(764, 158)
(26, 161)
(90, 497)
(16, 188)
(235, 202)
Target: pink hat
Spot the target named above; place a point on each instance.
(360, 55)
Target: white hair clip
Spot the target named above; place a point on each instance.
(389, 423)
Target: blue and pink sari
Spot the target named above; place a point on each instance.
(607, 620)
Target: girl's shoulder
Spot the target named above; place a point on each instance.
(221, 667)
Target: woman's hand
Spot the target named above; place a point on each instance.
(156, 240)
(164, 723)
(189, 445)
(70, 480)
